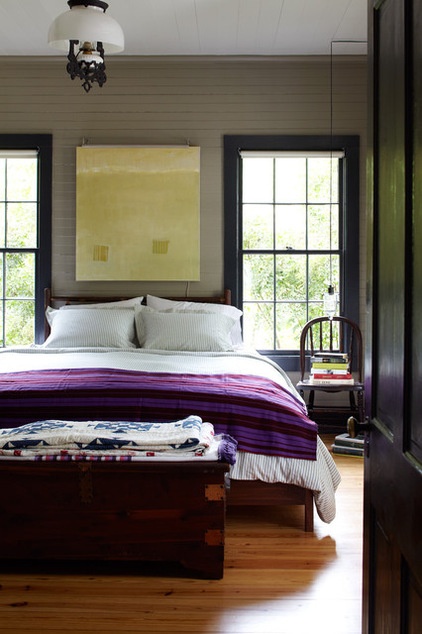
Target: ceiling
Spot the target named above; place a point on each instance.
(202, 27)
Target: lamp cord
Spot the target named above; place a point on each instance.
(331, 166)
(330, 289)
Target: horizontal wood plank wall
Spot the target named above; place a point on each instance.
(175, 101)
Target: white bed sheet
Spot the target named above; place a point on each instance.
(241, 361)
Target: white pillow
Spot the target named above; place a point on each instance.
(124, 303)
(107, 328)
(183, 330)
(159, 303)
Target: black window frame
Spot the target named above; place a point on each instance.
(349, 216)
(43, 145)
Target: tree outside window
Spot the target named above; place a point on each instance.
(291, 231)
(25, 227)
(290, 244)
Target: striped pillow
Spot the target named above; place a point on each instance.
(160, 303)
(92, 328)
(183, 330)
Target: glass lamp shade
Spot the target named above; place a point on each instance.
(330, 302)
(86, 24)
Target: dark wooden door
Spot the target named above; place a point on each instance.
(393, 464)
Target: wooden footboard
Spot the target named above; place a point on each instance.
(115, 511)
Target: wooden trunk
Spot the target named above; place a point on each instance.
(159, 511)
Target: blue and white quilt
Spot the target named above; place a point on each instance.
(184, 438)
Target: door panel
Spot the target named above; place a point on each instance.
(415, 607)
(393, 467)
(385, 586)
(390, 203)
(415, 430)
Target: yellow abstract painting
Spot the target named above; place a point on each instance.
(137, 213)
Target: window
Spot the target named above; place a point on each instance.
(291, 230)
(25, 236)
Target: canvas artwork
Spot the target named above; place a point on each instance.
(137, 213)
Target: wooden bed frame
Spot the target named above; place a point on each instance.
(241, 493)
(162, 511)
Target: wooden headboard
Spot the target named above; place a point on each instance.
(55, 301)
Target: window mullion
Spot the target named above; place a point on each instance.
(307, 274)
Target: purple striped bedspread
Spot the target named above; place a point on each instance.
(262, 416)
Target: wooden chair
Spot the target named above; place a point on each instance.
(336, 334)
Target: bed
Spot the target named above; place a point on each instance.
(154, 360)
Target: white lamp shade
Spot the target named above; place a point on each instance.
(86, 24)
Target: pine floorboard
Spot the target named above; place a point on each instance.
(278, 580)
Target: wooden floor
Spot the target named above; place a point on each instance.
(278, 580)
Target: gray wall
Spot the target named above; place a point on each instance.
(173, 101)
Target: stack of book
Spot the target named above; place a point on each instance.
(330, 368)
(343, 444)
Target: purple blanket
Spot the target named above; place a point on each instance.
(263, 417)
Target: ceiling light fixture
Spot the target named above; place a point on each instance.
(86, 32)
